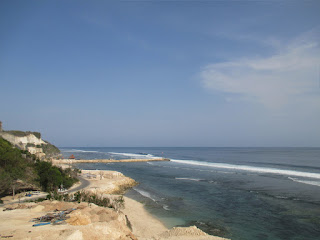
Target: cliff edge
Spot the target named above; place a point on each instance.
(30, 141)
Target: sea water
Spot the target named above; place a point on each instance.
(239, 193)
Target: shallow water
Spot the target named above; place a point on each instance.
(240, 193)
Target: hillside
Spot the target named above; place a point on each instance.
(22, 171)
(30, 141)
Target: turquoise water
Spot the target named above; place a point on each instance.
(240, 193)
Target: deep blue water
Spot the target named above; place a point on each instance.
(240, 193)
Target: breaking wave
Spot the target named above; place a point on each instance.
(145, 194)
(133, 155)
(155, 199)
(77, 150)
(250, 168)
(166, 207)
(191, 179)
(314, 183)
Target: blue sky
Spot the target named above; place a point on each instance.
(162, 73)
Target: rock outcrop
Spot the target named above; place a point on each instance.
(85, 222)
(30, 141)
(21, 139)
(107, 182)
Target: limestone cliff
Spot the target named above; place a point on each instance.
(30, 141)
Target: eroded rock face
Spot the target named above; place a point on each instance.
(32, 142)
(77, 218)
(23, 140)
(85, 222)
(107, 182)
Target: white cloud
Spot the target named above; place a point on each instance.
(289, 75)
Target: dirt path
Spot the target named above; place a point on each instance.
(84, 183)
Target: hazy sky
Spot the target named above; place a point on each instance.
(162, 73)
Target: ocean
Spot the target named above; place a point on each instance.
(238, 193)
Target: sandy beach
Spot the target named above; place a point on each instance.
(144, 225)
(88, 221)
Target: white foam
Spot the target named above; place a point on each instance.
(77, 150)
(191, 179)
(145, 194)
(281, 197)
(250, 168)
(134, 155)
(166, 207)
(314, 183)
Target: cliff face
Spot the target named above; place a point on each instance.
(32, 142)
(22, 141)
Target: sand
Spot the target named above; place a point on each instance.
(146, 227)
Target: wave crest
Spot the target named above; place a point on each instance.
(134, 155)
(250, 168)
(78, 150)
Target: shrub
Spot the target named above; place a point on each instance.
(52, 177)
(50, 150)
(83, 196)
(20, 164)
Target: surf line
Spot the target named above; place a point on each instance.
(67, 161)
(250, 168)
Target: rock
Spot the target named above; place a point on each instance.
(77, 235)
(77, 218)
(95, 218)
(183, 231)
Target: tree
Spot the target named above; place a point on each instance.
(14, 167)
(5, 181)
(50, 178)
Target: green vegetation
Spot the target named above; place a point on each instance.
(50, 150)
(30, 145)
(84, 196)
(13, 166)
(16, 164)
(18, 133)
(51, 177)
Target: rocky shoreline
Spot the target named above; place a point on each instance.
(89, 221)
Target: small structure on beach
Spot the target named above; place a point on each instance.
(72, 157)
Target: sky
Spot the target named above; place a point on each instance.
(162, 73)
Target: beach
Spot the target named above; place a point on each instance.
(88, 221)
(226, 192)
(230, 198)
(144, 225)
